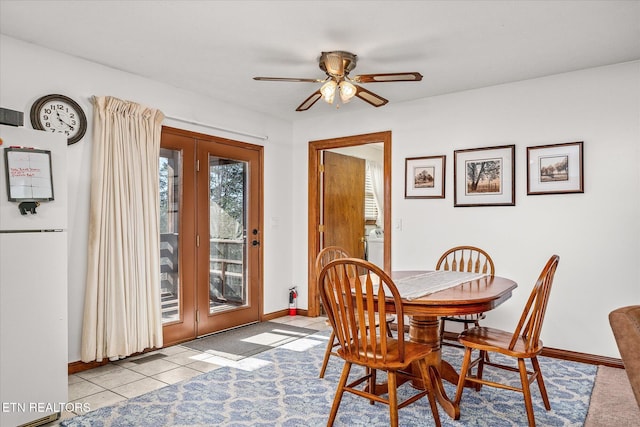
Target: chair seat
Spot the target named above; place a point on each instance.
(497, 340)
(412, 352)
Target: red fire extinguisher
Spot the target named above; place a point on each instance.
(293, 296)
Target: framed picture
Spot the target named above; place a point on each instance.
(484, 176)
(424, 177)
(555, 169)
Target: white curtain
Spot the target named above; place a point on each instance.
(122, 298)
(376, 171)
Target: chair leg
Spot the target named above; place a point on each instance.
(484, 357)
(371, 388)
(543, 389)
(524, 379)
(327, 353)
(389, 333)
(431, 394)
(339, 392)
(463, 375)
(393, 398)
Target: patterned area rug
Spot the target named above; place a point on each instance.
(284, 390)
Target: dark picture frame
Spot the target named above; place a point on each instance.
(555, 169)
(424, 177)
(484, 176)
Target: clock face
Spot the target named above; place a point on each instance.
(60, 114)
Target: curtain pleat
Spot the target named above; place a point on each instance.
(122, 312)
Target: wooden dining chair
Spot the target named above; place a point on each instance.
(524, 343)
(350, 289)
(325, 256)
(468, 259)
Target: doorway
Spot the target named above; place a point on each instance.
(211, 221)
(317, 210)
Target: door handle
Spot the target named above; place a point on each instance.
(255, 243)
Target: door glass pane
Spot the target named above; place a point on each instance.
(170, 182)
(227, 230)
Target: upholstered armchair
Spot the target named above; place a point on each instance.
(625, 323)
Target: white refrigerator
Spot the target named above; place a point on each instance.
(33, 276)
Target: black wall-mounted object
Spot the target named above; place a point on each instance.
(11, 117)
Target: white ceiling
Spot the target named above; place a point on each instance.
(216, 47)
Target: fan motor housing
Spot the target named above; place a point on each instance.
(337, 63)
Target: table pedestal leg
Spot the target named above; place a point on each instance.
(426, 330)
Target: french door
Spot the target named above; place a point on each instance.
(211, 217)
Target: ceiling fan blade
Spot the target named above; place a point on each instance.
(287, 79)
(370, 97)
(388, 77)
(308, 103)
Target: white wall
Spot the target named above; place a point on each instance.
(28, 72)
(596, 234)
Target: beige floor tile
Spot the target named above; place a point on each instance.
(116, 378)
(153, 367)
(101, 370)
(303, 321)
(176, 375)
(74, 379)
(184, 357)
(98, 400)
(203, 366)
(82, 388)
(174, 349)
(137, 388)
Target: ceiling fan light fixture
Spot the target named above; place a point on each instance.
(347, 91)
(337, 65)
(328, 91)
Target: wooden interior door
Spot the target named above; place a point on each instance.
(316, 150)
(343, 203)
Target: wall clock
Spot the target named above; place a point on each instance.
(60, 114)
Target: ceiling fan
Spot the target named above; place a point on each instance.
(337, 65)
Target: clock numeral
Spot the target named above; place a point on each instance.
(45, 117)
(47, 124)
(47, 110)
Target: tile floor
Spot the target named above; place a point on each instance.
(126, 379)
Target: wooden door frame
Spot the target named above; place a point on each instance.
(242, 315)
(189, 229)
(315, 150)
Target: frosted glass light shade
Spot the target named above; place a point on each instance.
(328, 91)
(347, 91)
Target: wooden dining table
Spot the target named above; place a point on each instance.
(473, 297)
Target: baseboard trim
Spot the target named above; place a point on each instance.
(79, 366)
(282, 313)
(573, 356)
(590, 359)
